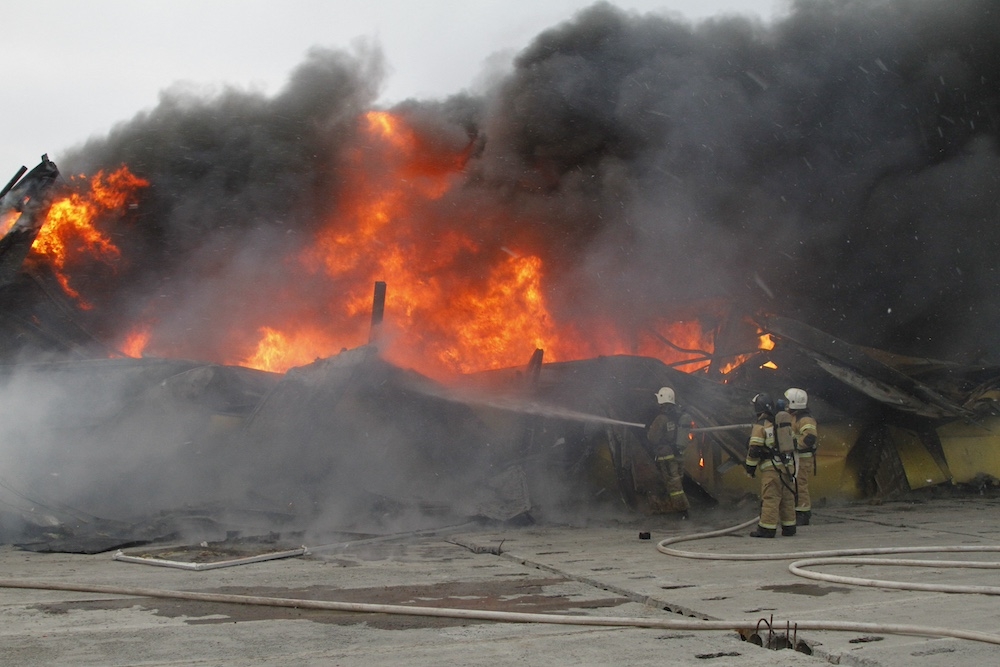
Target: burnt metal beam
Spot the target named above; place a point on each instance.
(855, 368)
(13, 181)
(378, 311)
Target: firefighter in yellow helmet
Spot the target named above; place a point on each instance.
(668, 449)
(777, 473)
(806, 440)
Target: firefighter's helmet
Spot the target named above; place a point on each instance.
(797, 398)
(762, 403)
(665, 395)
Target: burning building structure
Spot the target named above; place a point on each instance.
(723, 207)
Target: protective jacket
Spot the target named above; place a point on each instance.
(806, 434)
(777, 492)
(665, 433)
(806, 442)
(761, 448)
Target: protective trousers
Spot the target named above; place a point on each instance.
(777, 498)
(803, 474)
(673, 475)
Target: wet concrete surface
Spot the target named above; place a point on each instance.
(592, 570)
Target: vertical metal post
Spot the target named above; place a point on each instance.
(378, 311)
(535, 367)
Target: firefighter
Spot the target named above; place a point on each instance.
(806, 441)
(668, 449)
(777, 473)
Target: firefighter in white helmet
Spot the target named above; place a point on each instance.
(777, 472)
(806, 441)
(668, 445)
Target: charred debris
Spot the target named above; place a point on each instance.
(36, 320)
(103, 451)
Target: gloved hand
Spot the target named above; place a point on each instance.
(751, 470)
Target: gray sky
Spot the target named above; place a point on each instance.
(73, 69)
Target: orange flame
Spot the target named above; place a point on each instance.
(278, 352)
(497, 325)
(136, 341)
(764, 343)
(461, 297)
(454, 305)
(8, 220)
(69, 228)
(454, 324)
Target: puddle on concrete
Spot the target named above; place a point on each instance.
(814, 590)
(933, 651)
(526, 596)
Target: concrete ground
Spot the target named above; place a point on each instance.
(593, 570)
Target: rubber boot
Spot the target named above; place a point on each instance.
(760, 531)
(802, 518)
(788, 531)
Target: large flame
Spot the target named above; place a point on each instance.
(454, 306)
(447, 319)
(456, 303)
(69, 230)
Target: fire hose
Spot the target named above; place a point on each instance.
(805, 559)
(498, 616)
(361, 607)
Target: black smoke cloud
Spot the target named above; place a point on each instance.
(237, 180)
(839, 165)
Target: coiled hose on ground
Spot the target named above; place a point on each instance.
(745, 626)
(805, 559)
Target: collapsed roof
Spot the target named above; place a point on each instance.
(117, 450)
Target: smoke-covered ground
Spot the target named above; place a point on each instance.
(101, 453)
(840, 166)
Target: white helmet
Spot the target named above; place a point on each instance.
(665, 395)
(797, 398)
